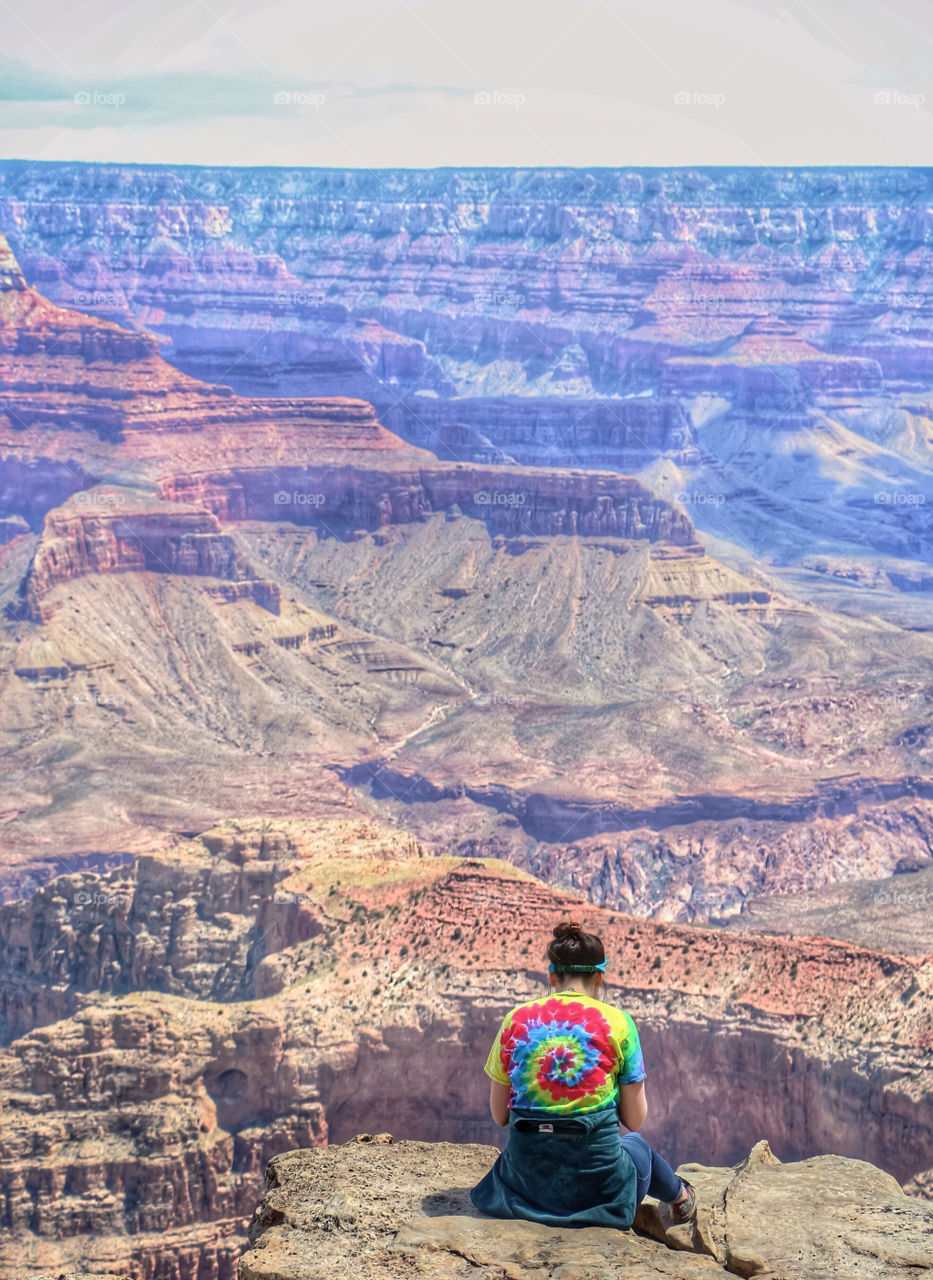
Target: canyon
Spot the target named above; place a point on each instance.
(755, 344)
(171, 1025)
(386, 559)
(216, 605)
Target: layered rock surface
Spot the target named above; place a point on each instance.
(382, 1209)
(379, 570)
(172, 1025)
(766, 334)
(536, 663)
(125, 469)
(116, 531)
(578, 267)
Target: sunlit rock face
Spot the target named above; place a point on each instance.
(170, 1026)
(220, 605)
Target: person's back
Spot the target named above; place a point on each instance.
(567, 1053)
(564, 1070)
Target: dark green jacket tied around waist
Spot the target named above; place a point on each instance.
(564, 1171)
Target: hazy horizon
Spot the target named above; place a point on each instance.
(434, 85)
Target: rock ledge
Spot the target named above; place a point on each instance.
(374, 1209)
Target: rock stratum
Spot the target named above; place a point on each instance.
(170, 1026)
(216, 605)
(379, 1209)
(756, 344)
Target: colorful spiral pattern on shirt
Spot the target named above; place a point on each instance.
(554, 1051)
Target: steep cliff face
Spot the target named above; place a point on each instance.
(82, 398)
(545, 431)
(267, 986)
(116, 531)
(71, 372)
(510, 500)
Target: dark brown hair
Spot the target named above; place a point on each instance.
(571, 946)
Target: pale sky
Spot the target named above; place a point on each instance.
(425, 83)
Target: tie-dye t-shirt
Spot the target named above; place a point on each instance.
(565, 1053)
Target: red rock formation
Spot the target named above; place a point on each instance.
(573, 619)
(510, 500)
(66, 370)
(191, 1019)
(769, 366)
(112, 530)
(778, 298)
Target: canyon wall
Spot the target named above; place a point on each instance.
(171, 1025)
(510, 500)
(541, 430)
(672, 322)
(218, 603)
(528, 256)
(634, 686)
(112, 531)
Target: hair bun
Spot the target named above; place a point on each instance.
(568, 929)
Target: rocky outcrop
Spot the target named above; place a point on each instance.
(76, 1275)
(384, 1208)
(11, 275)
(178, 1022)
(625, 434)
(193, 924)
(855, 1219)
(769, 367)
(380, 1207)
(510, 500)
(112, 530)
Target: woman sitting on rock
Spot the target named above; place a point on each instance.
(565, 1070)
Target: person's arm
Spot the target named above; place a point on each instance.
(499, 1102)
(633, 1105)
(500, 1088)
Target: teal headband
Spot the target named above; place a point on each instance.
(577, 968)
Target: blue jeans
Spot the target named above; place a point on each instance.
(655, 1176)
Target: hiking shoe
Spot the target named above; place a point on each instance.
(686, 1209)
